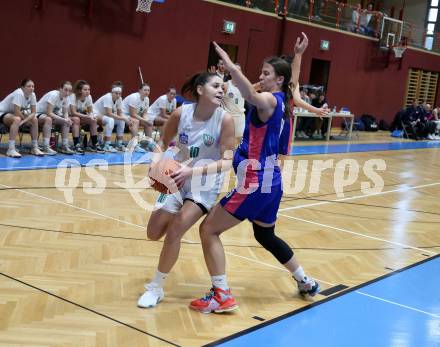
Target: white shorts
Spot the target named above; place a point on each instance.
(172, 203)
(239, 123)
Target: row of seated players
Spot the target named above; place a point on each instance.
(421, 121)
(73, 110)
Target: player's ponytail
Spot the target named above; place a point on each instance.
(199, 79)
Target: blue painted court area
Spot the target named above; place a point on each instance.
(399, 310)
(362, 147)
(30, 162)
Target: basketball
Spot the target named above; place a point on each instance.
(159, 175)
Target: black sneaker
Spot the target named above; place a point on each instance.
(97, 148)
(78, 149)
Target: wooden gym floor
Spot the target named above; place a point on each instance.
(71, 273)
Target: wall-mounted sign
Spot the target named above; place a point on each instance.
(229, 27)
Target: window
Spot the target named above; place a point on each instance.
(432, 20)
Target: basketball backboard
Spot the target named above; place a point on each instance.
(391, 32)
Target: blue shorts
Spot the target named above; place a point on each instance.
(257, 206)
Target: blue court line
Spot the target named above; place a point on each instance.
(353, 319)
(362, 147)
(30, 162)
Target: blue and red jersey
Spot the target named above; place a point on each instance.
(261, 144)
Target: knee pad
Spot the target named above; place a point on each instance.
(267, 238)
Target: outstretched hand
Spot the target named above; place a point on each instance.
(301, 45)
(229, 65)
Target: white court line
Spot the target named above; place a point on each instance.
(404, 189)
(397, 304)
(141, 226)
(82, 209)
(273, 266)
(358, 234)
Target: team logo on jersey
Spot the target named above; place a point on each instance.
(183, 138)
(208, 140)
(230, 95)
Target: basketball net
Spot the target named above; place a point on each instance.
(398, 51)
(144, 6)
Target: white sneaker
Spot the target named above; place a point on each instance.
(48, 151)
(36, 151)
(152, 296)
(109, 148)
(430, 137)
(13, 153)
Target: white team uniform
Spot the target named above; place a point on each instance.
(106, 101)
(161, 102)
(233, 103)
(198, 144)
(81, 106)
(134, 100)
(18, 98)
(53, 97)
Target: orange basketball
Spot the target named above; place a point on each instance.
(160, 173)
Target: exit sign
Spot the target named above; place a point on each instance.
(229, 27)
(325, 45)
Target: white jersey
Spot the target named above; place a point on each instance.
(199, 143)
(106, 101)
(134, 100)
(161, 103)
(53, 97)
(233, 102)
(81, 106)
(18, 98)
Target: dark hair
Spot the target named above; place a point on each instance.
(25, 81)
(281, 66)
(199, 79)
(63, 83)
(171, 87)
(117, 84)
(142, 85)
(78, 86)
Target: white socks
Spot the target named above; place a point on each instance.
(159, 279)
(299, 274)
(220, 282)
(11, 144)
(46, 142)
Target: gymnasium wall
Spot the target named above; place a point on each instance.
(68, 40)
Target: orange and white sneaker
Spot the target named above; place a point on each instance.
(217, 300)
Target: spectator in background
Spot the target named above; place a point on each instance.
(220, 70)
(361, 19)
(305, 123)
(321, 124)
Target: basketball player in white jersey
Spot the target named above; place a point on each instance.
(135, 107)
(109, 110)
(205, 139)
(81, 108)
(233, 103)
(18, 108)
(52, 108)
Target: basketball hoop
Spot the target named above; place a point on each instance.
(398, 51)
(144, 6)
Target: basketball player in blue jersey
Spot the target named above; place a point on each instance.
(258, 193)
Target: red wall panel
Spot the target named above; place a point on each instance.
(59, 41)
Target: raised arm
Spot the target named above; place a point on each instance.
(247, 90)
(300, 47)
